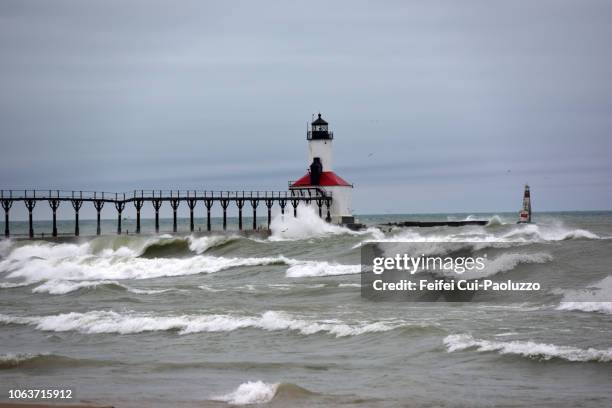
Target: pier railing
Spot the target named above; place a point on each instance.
(157, 197)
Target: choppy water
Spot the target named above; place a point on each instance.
(198, 320)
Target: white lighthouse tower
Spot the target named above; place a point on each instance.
(321, 176)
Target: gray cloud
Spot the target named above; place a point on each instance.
(448, 96)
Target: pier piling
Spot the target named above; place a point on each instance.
(191, 203)
(174, 203)
(76, 204)
(295, 204)
(240, 204)
(283, 203)
(6, 205)
(30, 204)
(157, 205)
(254, 204)
(208, 203)
(269, 204)
(54, 203)
(98, 204)
(224, 205)
(320, 206)
(119, 205)
(138, 204)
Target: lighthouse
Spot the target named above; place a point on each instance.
(525, 214)
(320, 176)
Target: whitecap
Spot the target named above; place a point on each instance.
(200, 245)
(504, 263)
(91, 268)
(544, 351)
(598, 307)
(309, 225)
(96, 322)
(594, 298)
(60, 287)
(301, 269)
(251, 392)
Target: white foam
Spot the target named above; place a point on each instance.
(598, 307)
(303, 269)
(495, 221)
(44, 250)
(595, 298)
(10, 285)
(5, 247)
(544, 351)
(95, 322)
(210, 289)
(60, 287)
(200, 245)
(101, 247)
(251, 392)
(149, 291)
(486, 236)
(308, 225)
(94, 268)
(506, 262)
(547, 232)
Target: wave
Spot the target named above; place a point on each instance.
(10, 285)
(38, 360)
(594, 298)
(5, 247)
(553, 232)
(97, 322)
(64, 275)
(111, 247)
(315, 269)
(165, 248)
(259, 392)
(506, 234)
(59, 287)
(309, 225)
(96, 269)
(598, 307)
(506, 262)
(530, 349)
(12, 360)
(210, 289)
(495, 221)
(251, 392)
(200, 245)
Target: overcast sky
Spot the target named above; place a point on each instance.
(437, 106)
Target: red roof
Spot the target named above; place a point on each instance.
(328, 179)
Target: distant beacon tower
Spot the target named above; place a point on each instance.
(525, 214)
(320, 174)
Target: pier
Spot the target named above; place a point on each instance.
(436, 223)
(321, 198)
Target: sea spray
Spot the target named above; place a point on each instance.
(308, 225)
